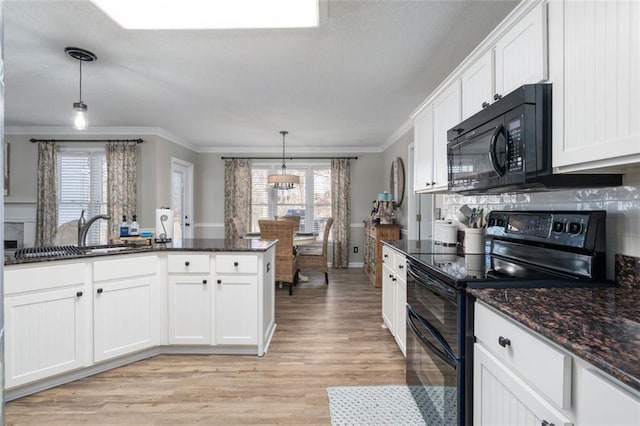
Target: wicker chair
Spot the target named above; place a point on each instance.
(286, 269)
(317, 261)
(294, 219)
(238, 228)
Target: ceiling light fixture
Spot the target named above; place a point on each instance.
(283, 180)
(80, 115)
(211, 14)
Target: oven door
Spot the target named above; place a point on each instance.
(435, 369)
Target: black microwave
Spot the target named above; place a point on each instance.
(506, 147)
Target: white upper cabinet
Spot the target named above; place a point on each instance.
(594, 64)
(477, 85)
(446, 114)
(521, 52)
(423, 145)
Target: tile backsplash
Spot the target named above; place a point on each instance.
(622, 204)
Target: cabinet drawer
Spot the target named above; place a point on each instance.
(125, 267)
(39, 277)
(188, 263)
(544, 367)
(236, 264)
(389, 257)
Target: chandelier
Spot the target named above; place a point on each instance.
(283, 180)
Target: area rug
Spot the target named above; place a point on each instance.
(390, 405)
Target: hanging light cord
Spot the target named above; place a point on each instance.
(284, 166)
(80, 81)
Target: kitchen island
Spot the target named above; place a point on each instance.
(74, 316)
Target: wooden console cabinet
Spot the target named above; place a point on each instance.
(373, 235)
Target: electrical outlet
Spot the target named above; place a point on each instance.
(355, 249)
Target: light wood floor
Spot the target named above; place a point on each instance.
(326, 336)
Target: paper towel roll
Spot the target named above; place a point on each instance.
(445, 233)
(164, 224)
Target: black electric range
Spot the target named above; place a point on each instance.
(523, 249)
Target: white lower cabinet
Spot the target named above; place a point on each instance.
(123, 308)
(189, 309)
(236, 313)
(47, 322)
(394, 295)
(501, 397)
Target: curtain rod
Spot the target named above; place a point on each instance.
(289, 158)
(137, 141)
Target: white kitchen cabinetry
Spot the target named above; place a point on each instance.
(394, 294)
(236, 295)
(594, 55)
(47, 321)
(600, 401)
(477, 85)
(123, 291)
(189, 298)
(423, 146)
(521, 52)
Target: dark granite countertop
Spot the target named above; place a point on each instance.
(601, 326)
(195, 244)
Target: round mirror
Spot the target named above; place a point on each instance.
(396, 180)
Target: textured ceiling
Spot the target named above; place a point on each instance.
(346, 86)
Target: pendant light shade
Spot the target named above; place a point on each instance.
(80, 114)
(283, 180)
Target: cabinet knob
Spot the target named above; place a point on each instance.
(79, 294)
(433, 183)
(546, 423)
(497, 97)
(186, 263)
(393, 279)
(390, 275)
(485, 104)
(219, 281)
(400, 266)
(427, 184)
(503, 341)
(99, 291)
(204, 281)
(235, 264)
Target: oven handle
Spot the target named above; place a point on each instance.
(446, 354)
(493, 157)
(430, 283)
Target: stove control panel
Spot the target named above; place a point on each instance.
(579, 229)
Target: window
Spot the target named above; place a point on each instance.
(82, 185)
(311, 200)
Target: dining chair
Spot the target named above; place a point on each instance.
(295, 219)
(316, 260)
(238, 228)
(286, 268)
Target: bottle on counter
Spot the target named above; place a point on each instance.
(124, 227)
(134, 229)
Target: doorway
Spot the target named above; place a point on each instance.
(182, 198)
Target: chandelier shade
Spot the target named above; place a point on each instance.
(283, 180)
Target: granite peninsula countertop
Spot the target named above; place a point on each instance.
(601, 326)
(193, 244)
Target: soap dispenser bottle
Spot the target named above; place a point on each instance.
(124, 227)
(134, 230)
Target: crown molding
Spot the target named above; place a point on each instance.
(402, 130)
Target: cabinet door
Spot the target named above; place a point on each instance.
(602, 402)
(401, 315)
(521, 53)
(236, 310)
(595, 64)
(47, 333)
(477, 85)
(122, 317)
(190, 309)
(423, 146)
(446, 114)
(500, 397)
(388, 297)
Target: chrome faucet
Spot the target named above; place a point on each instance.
(84, 225)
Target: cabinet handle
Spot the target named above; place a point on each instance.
(485, 104)
(546, 423)
(427, 184)
(235, 264)
(386, 255)
(99, 291)
(79, 294)
(219, 282)
(433, 183)
(503, 341)
(400, 266)
(186, 263)
(393, 279)
(497, 97)
(390, 276)
(204, 281)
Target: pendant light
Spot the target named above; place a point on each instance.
(283, 180)
(80, 115)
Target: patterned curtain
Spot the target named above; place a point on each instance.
(237, 193)
(122, 192)
(47, 197)
(341, 210)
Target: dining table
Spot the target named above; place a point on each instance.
(299, 239)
